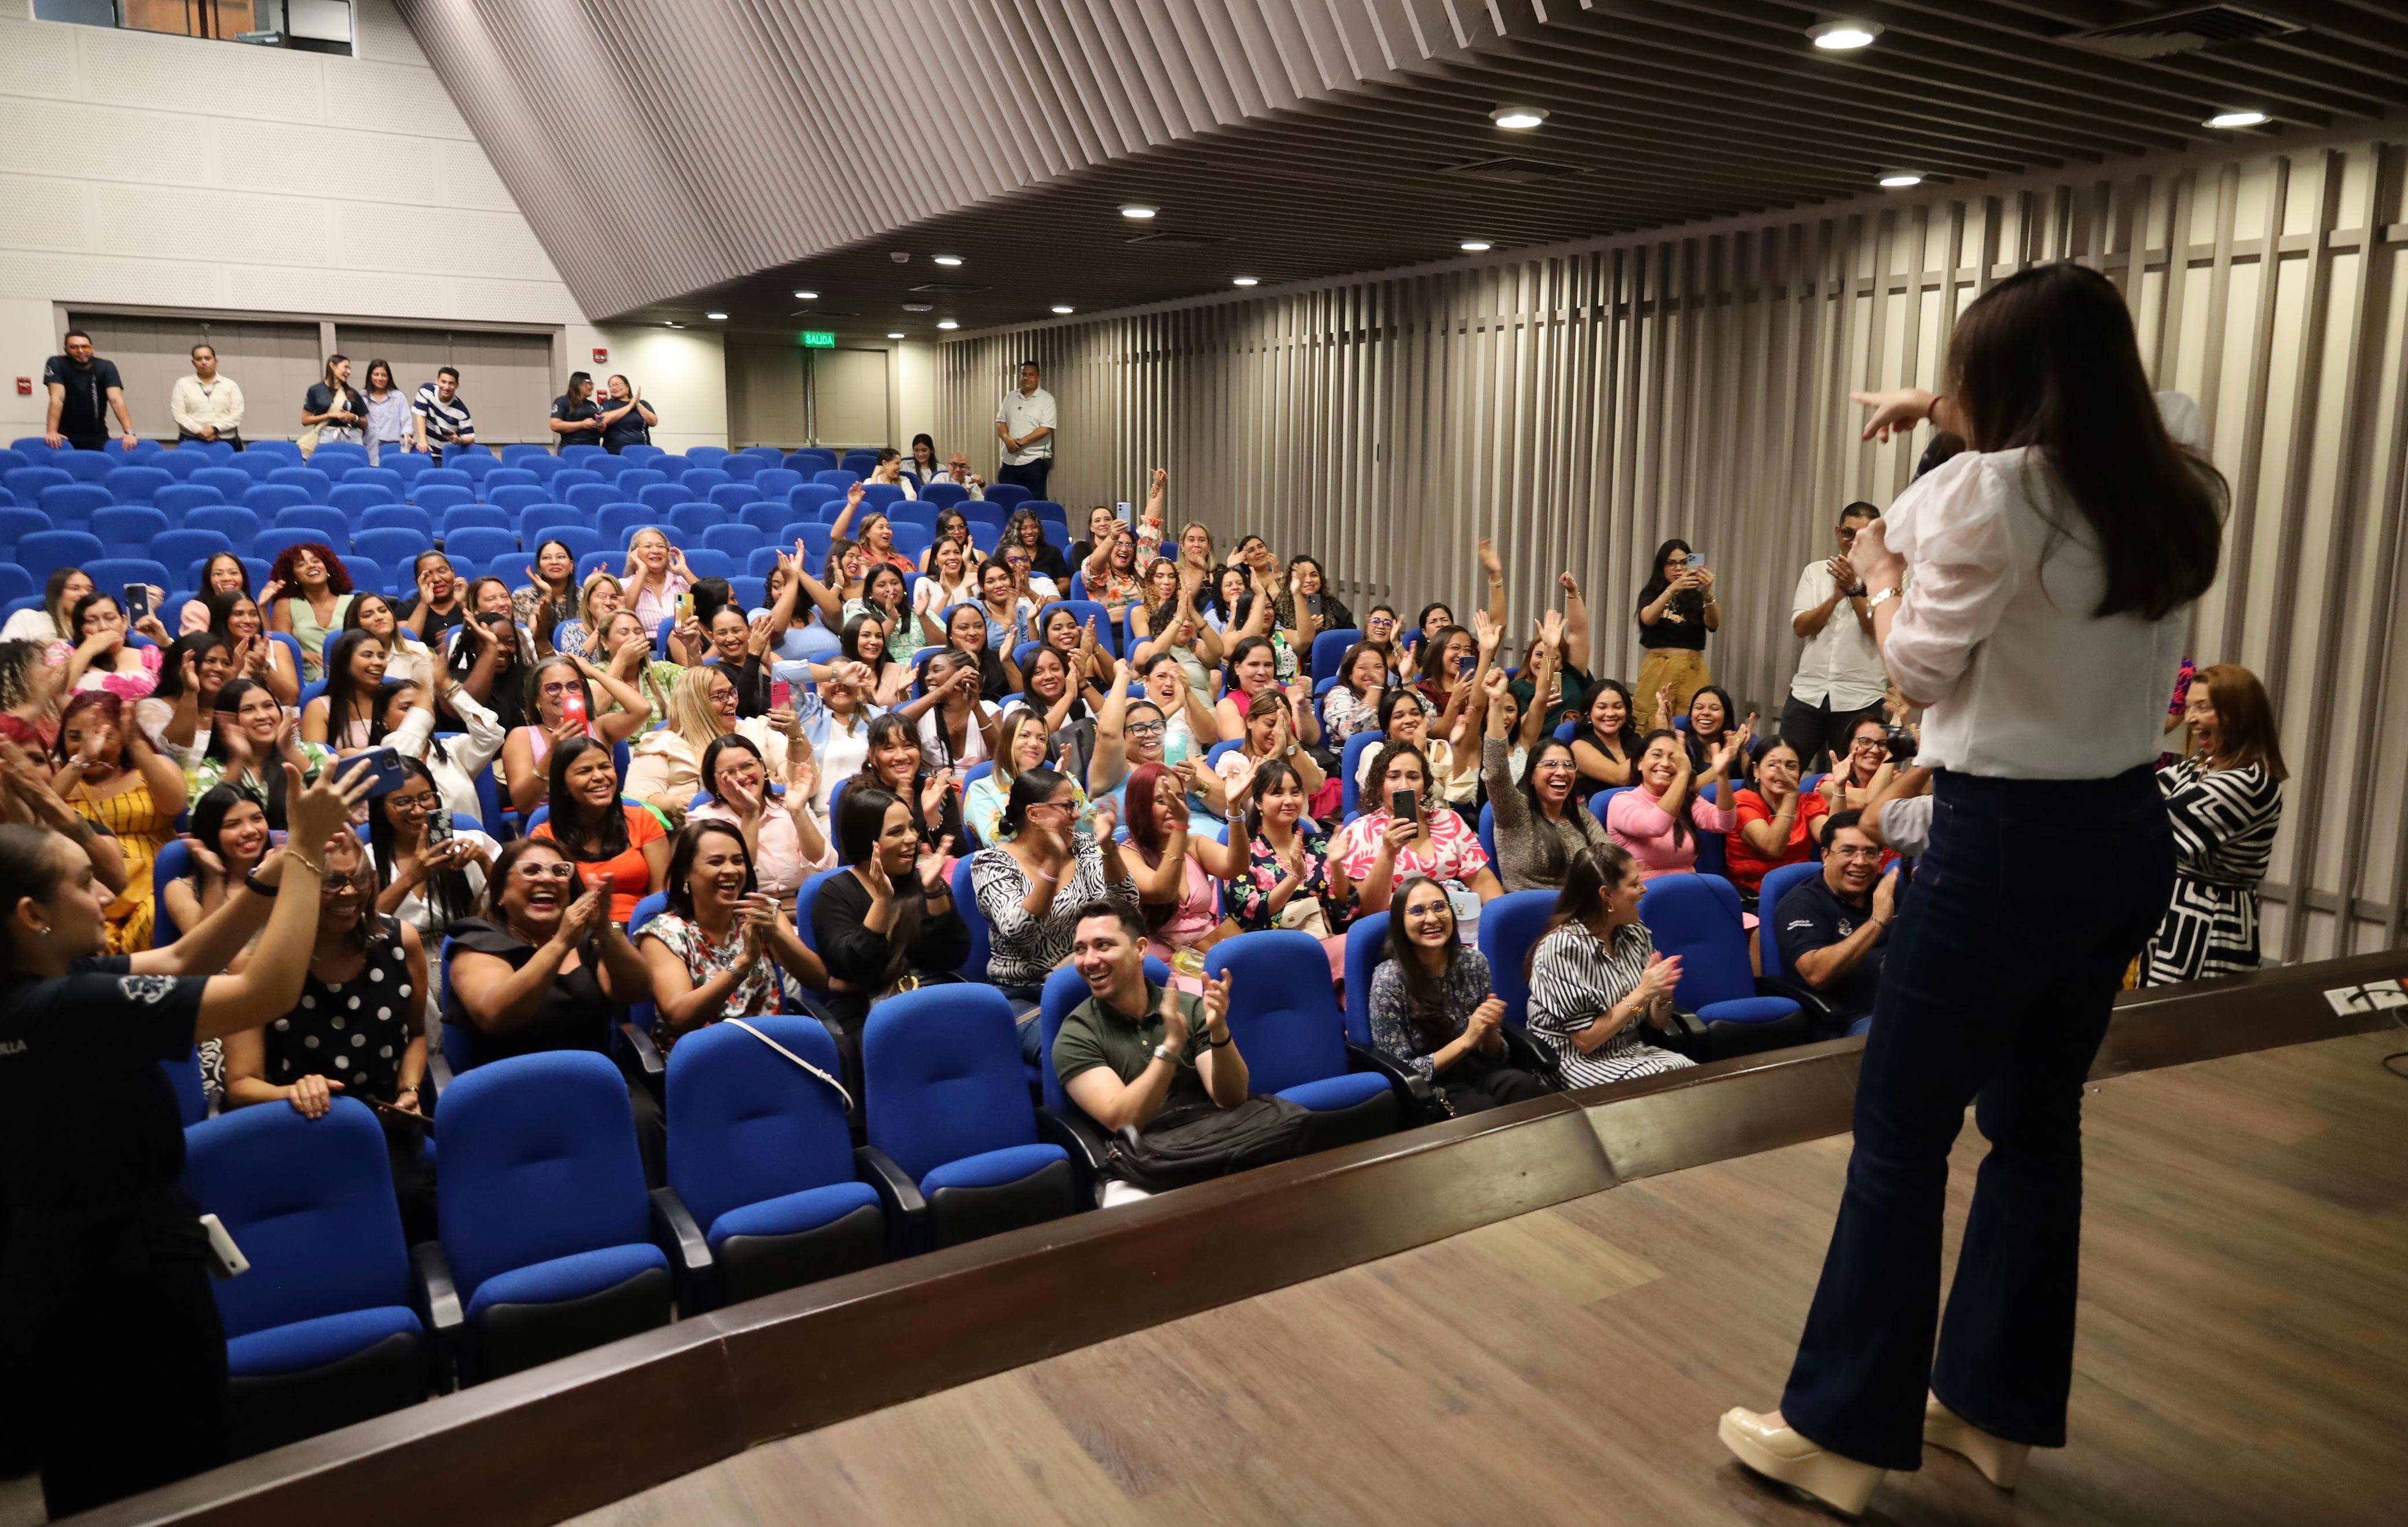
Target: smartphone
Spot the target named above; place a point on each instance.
(572, 706)
(226, 1258)
(684, 607)
(138, 602)
(781, 694)
(1406, 806)
(438, 826)
(1697, 561)
(384, 771)
(1127, 512)
(411, 1115)
(1463, 666)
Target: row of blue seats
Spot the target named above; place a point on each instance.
(810, 461)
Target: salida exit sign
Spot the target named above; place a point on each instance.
(819, 340)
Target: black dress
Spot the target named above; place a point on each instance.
(112, 1357)
(860, 957)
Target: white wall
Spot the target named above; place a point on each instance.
(914, 392)
(150, 172)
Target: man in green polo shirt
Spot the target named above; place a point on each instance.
(1135, 1053)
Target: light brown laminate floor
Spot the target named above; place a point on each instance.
(2244, 1356)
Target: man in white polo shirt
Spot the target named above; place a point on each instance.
(1839, 679)
(1024, 424)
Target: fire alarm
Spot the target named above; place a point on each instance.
(24, 387)
(601, 356)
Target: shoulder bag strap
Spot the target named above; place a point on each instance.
(796, 1059)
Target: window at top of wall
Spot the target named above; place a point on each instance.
(316, 26)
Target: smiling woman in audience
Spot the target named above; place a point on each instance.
(1291, 878)
(884, 598)
(888, 924)
(409, 718)
(597, 602)
(654, 576)
(439, 604)
(1025, 530)
(558, 697)
(783, 833)
(223, 572)
(1864, 771)
(406, 660)
(257, 656)
(249, 734)
(722, 948)
(110, 774)
(1267, 736)
(429, 879)
(227, 841)
(666, 769)
(31, 686)
(2225, 798)
(895, 762)
(1676, 610)
(1434, 1006)
(348, 713)
(1031, 884)
(102, 659)
(618, 844)
(553, 583)
(1605, 742)
(1021, 745)
(1596, 984)
(1176, 870)
(1657, 822)
(1401, 835)
(1540, 822)
(65, 588)
(317, 590)
(1352, 705)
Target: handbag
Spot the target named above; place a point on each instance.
(798, 1060)
(1304, 913)
(1202, 1144)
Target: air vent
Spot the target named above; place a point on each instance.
(824, 312)
(1171, 238)
(2182, 31)
(1507, 170)
(950, 288)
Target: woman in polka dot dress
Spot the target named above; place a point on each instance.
(354, 1032)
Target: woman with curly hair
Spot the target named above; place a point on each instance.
(308, 591)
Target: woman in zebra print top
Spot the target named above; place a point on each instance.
(2225, 798)
(1595, 981)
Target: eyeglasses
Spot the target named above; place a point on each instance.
(1146, 729)
(422, 802)
(562, 873)
(553, 692)
(1556, 763)
(1867, 744)
(1842, 852)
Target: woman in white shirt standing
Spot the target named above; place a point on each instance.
(2046, 574)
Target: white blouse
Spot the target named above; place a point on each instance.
(1995, 632)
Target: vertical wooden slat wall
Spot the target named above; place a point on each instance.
(1581, 403)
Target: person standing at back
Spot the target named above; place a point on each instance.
(2034, 595)
(1024, 424)
(443, 419)
(575, 419)
(207, 406)
(1839, 679)
(84, 390)
(627, 419)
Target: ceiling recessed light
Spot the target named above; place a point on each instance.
(1064, 308)
(895, 335)
(1520, 118)
(1242, 281)
(672, 323)
(715, 315)
(2236, 119)
(1137, 209)
(1839, 36)
(947, 324)
(919, 307)
(949, 259)
(1476, 246)
(808, 296)
(1900, 180)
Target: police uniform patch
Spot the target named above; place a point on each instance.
(146, 989)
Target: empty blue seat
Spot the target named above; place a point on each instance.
(548, 1234)
(708, 564)
(570, 477)
(11, 459)
(661, 497)
(128, 530)
(581, 540)
(591, 498)
(275, 541)
(505, 477)
(859, 460)
(92, 466)
(706, 455)
(687, 521)
(738, 540)
(620, 521)
(635, 478)
(1697, 918)
(319, 1332)
(700, 480)
(337, 457)
(536, 518)
(311, 481)
(74, 503)
(180, 465)
(384, 477)
(266, 498)
(769, 516)
(591, 562)
(231, 482)
(1284, 1009)
(887, 495)
(256, 465)
(776, 482)
(436, 498)
(408, 466)
(395, 548)
(477, 543)
(179, 499)
(944, 495)
(45, 552)
(1510, 927)
(473, 460)
(408, 517)
(239, 526)
(137, 484)
(26, 483)
(476, 516)
(16, 523)
(731, 497)
(583, 455)
(609, 468)
(356, 498)
(16, 584)
(763, 1159)
(836, 478)
(512, 498)
(953, 1136)
(189, 549)
(333, 526)
(1005, 495)
(811, 459)
(520, 454)
(744, 466)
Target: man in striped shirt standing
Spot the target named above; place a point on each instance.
(442, 414)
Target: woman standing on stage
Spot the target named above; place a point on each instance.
(2049, 569)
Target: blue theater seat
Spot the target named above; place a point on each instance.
(953, 1140)
(763, 1159)
(1697, 917)
(320, 1331)
(137, 484)
(1284, 1015)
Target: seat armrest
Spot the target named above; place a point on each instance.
(1083, 1137)
(1416, 1095)
(815, 1004)
(437, 1302)
(675, 1231)
(1797, 992)
(1529, 1055)
(906, 1212)
(640, 1059)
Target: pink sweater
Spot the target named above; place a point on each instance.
(1634, 819)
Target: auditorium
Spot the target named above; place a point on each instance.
(1341, 761)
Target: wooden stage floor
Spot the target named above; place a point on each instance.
(2244, 1356)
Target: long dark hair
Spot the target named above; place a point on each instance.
(207, 820)
(1697, 744)
(171, 662)
(1029, 787)
(1593, 869)
(1389, 753)
(1627, 740)
(342, 693)
(449, 895)
(29, 866)
(720, 745)
(2048, 359)
(271, 769)
(1269, 773)
(608, 839)
(1680, 819)
(1433, 657)
(1425, 1012)
(1690, 603)
(689, 843)
(860, 821)
(848, 644)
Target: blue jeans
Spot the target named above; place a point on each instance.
(2009, 950)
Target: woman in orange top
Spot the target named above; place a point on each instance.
(617, 845)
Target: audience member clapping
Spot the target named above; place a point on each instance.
(1834, 928)
(1778, 822)
(1403, 833)
(1596, 984)
(1175, 869)
(723, 947)
(1434, 1006)
(1541, 824)
(1657, 821)
(619, 847)
(1031, 883)
(250, 736)
(783, 833)
(888, 923)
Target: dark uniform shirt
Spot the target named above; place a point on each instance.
(83, 411)
(86, 1115)
(1812, 916)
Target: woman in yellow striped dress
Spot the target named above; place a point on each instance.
(110, 774)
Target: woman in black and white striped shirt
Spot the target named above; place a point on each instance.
(1596, 977)
(2225, 800)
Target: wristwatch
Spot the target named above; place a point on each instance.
(1164, 1052)
(257, 887)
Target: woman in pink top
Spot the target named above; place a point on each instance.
(656, 576)
(1658, 819)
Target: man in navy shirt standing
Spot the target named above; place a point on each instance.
(1834, 929)
(84, 391)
